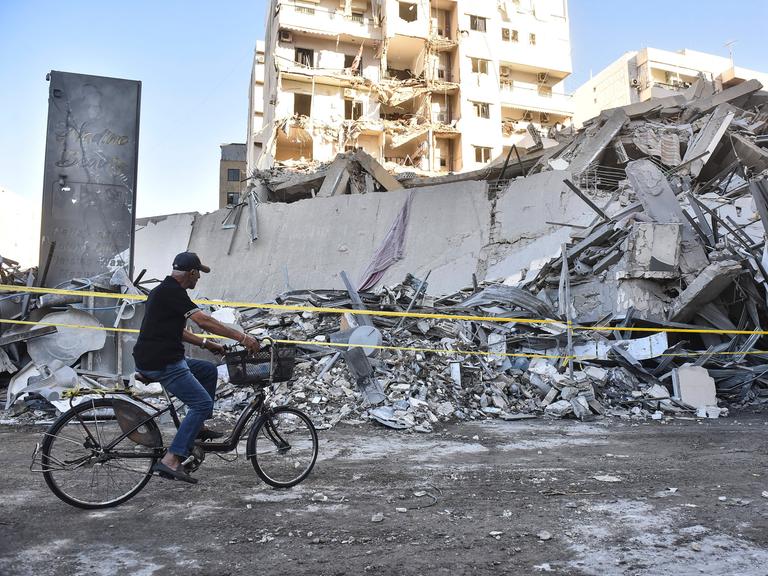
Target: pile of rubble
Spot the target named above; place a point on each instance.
(678, 251)
(654, 307)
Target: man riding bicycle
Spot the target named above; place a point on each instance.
(159, 356)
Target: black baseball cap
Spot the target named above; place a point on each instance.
(187, 261)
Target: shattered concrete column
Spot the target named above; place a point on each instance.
(594, 144)
(706, 287)
(708, 138)
(660, 204)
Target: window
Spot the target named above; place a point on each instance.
(514, 35)
(479, 65)
(358, 17)
(482, 154)
(233, 174)
(305, 57)
(302, 104)
(408, 11)
(477, 23)
(353, 110)
(506, 34)
(482, 109)
(305, 10)
(233, 198)
(349, 60)
(532, 39)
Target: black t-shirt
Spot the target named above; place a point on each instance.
(165, 315)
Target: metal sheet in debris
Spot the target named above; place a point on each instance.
(640, 348)
(67, 344)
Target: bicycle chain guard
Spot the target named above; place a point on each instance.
(129, 416)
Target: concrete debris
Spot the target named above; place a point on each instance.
(653, 216)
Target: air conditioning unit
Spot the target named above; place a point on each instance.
(635, 82)
(541, 76)
(285, 35)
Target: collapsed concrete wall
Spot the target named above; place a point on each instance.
(523, 231)
(305, 244)
(454, 230)
(158, 239)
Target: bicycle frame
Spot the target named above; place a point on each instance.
(227, 445)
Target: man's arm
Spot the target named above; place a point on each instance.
(204, 343)
(210, 324)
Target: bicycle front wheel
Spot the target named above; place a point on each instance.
(282, 447)
(82, 469)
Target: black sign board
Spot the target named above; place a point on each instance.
(89, 190)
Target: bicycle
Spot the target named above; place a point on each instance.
(100, 452)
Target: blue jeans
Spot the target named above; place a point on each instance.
(194, 383)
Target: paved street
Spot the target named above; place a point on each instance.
(476, 498)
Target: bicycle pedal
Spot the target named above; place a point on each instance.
(189, 460)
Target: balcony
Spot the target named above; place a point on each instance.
(322, 22)
(531, 98)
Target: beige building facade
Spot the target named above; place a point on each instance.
(431, 86)
(652, 73)
(232, 174)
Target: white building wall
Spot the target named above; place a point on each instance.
(650, 72)
(608, 89)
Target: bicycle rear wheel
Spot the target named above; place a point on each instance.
(80, 470)
(282, 447)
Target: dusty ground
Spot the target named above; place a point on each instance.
(501, 488)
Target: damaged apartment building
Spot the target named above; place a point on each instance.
(424, 86)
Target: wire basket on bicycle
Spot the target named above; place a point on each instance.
(270, 364)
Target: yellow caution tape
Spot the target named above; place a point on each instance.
(385, 313)
(454, 351)
(284, 307)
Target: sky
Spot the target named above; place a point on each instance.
(193, 58)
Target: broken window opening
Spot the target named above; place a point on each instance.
(305, 57)
(440, 23)
(477, 23)
(349, 61)
(479, 65)
(353, 110)
(233, 174)
(482, 154)
(509, 35)
(532, 39)
(302, 104)
(408, 11)
(482, 109)
(233, 198)
(444, 67)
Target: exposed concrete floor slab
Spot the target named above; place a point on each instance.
(498, 487)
